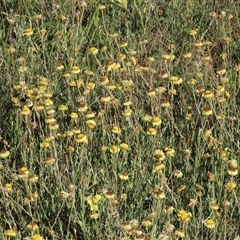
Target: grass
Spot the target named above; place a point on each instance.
(119, 120)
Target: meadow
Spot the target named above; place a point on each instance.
(119, 120)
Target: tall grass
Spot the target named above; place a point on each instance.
(119, 120)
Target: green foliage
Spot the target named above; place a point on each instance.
(119, 119)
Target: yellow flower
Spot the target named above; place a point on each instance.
(116, 129)
(93, 50)
(233, 171)
(91, 124)
(159, 154)
(208, 94)
(94, 199)
(75, 70)
(23, 173)
(74, 115)
(180, 233)
(62, 108)
(147, 223)
(207, 111)
(8, 187)
(231, 186)
(159, 194)
(158, 167)
(28, 32)
(156, 121)
(124, 146)
(193, 32)
(127, 112)
(37, 237)
(49, 161)
(32, 226)
(123, 176)
(176, 80)
(82, 107)
(95, 216)
(184, 216)
(90, 85)
(126, 226)
(151, 131)
(10, 233)
(209, 223)
(114, 149)
(187, 55)
(81, 138)
(25, 111)
(4, 154)
(109, 195)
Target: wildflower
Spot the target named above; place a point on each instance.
(75, 70)
(158, 167)
(4, 154)
(32, 226)
(28, 32)
(25, 111)
(123, 176)
(169, 151)
(126, 226)
(193, 32)
(74, 115)
(49, 161)
(82, 107)
(184, 216)
(116, 129)
(151, 93)
(198, 43)
(109, 195)
(62, 108)
(213, 205)
(207, 111)
(180, 233)
(176, 80)
(91, 124)
(93, 199)
(93, 50)
(187, 55)
(231, 186)
(159, 194)
(178, 174)
(165, 104)
(233, 171)
(37, 237)
(147, 118)
(151, 131)
(105, 98)
(209, 223)
(124, 146)
(127, 112)
(147, 223)
(104, 80)
(10, 233)
(233, 163)
(168, 56)
(221, 71)
(23, 173)
(156, 121)
(159, 154)
(81, 138)
(114, 149)
(208, 94)
(95, 216)
(8, 187)
(123, 44)
(169, 209)
(90, 85)
(33, 178)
